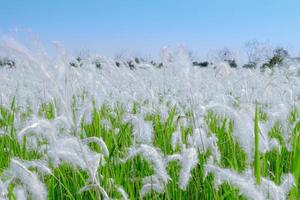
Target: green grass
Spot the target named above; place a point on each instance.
(232, 154)
(256, 151)
(66, 180)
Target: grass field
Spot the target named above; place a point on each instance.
(176, 132)
(171, 165)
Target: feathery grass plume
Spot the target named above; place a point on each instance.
(70, 150)
(77, 153)
(280, 113)
(267, 144)
(95, 187)
(153, 156)
(246, 183)
(122, 192)
(41, 130)
(242, 124)
(4, 189)
(28, 180)
(188, 160)
(20, 193)
(88, 187)
(201, 141)
(151, 183)
(62, 124)
(164, 113)
(99, 142)
(157, 161)
(277, 192)
(87, 118)
(176, 140)
(40, 165)
(118, 188)
(243, 128)
(84, 113)
(142, 130)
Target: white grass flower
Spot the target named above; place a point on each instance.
(157, 161)
(20, 193)
(188, 159)
(142, 130)
(246, 183)
(41, 129)
(99, 142)
(200, 140)
(95, 187)
(4, 189)
(176, 140)
(40, 165)
(29, 180)
(71, 150)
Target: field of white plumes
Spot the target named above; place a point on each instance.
(174, 132)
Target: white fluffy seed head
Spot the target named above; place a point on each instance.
(70, 150)
(189, 160)
(99, 142)
(20, 193)
(29, 180)
(247, 184)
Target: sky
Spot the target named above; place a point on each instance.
(145, 26)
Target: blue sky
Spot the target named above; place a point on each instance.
(144, 26)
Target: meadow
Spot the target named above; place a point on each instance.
(178, 131)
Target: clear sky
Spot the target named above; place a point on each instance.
(144, 26)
